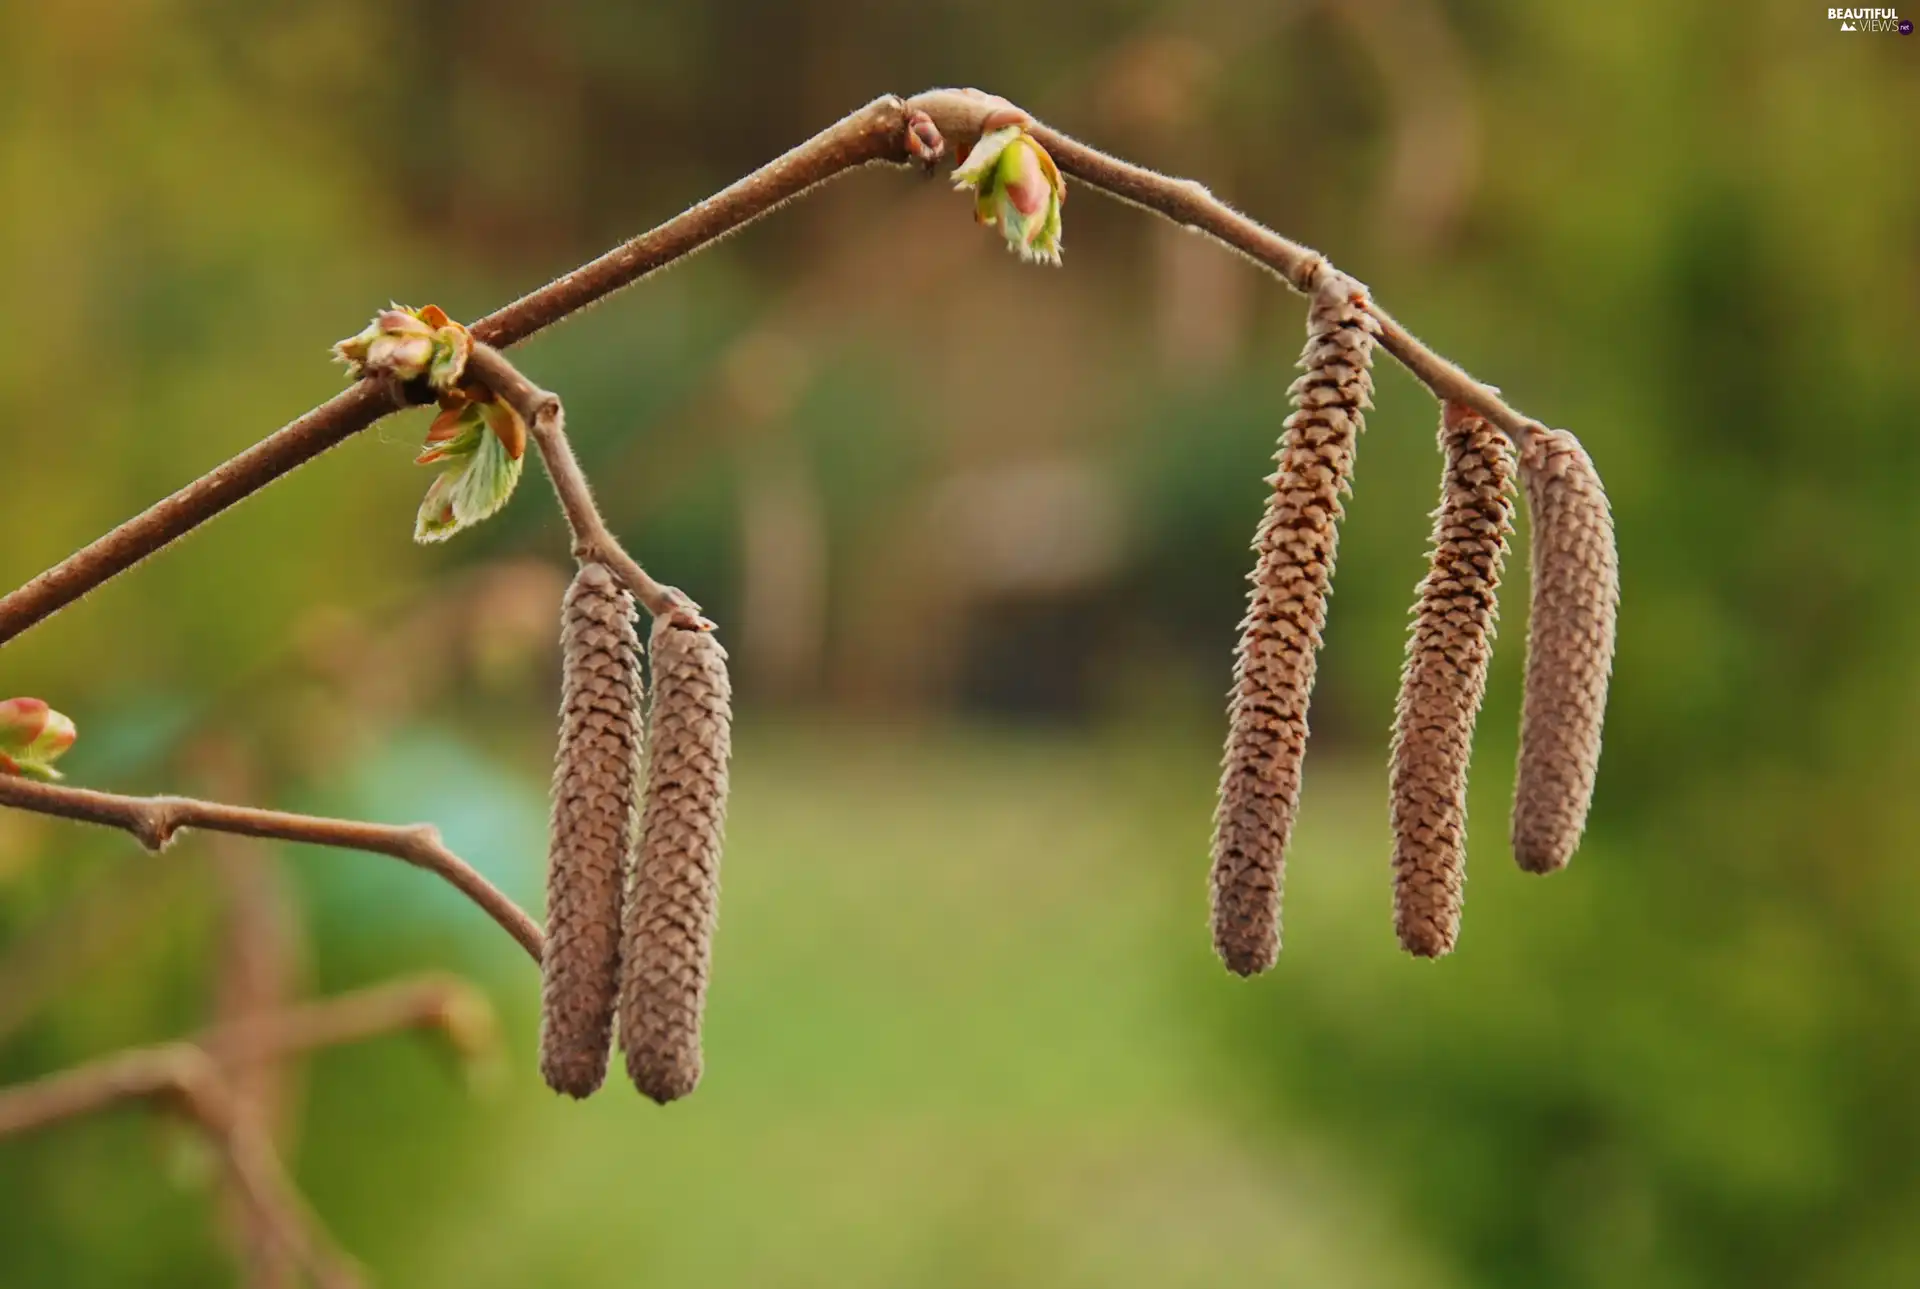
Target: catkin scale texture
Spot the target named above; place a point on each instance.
(1444, 680)
(673, 902)
(1280, 635)
(1570, 640)
(595, 801)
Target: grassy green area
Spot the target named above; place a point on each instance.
(962, 1032)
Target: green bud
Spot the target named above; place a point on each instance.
(32, 737)
(1017, 189)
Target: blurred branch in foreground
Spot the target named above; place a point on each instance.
(193, 1079)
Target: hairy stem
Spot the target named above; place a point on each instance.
(885, 130)
(593, 541)
(155, 820)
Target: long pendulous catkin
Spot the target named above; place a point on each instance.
(1570, 635)
(1444, 680)
(595, 800)
(1273, 666)
(668, 929)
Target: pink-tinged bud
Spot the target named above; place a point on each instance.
(1027, 185)
(407, 344)
(32, 737)
(924, 142)
(21, 720)
(399, 355)
(399, 322)
(1016, 188)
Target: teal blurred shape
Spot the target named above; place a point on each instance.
(491, 818)
(133, 738)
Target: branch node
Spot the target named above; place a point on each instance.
(426, 836)
(1307, 274)
(925, 143)
(156, 826)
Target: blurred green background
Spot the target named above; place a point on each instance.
(976, 533)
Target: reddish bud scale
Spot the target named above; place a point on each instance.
(32, 737)
(22, 720)
(1445, 679)
(671, 910)
(1280, 635)
(595, 795)
(1570, 639)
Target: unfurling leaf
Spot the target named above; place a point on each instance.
(507, 426)
(482, 471)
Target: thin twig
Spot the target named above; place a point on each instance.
(593, 541)
(875, 133)
(155, 821)
(885, 130)
(184, 1076)
(427, 1001)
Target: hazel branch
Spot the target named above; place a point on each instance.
(875, 133)
(154, 821)
(593, 541)
(185, 1077)
(961, 115)
(913, 131)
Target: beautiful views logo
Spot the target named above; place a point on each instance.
(1880, 20)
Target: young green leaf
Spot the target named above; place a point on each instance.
(481, 475)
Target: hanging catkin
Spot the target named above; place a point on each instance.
(668, 937)
(1444, 680)
(1273, 667)
(594, 803)
(1570, 634)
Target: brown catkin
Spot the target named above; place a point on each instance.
(1273, 666)
(1570, 636)
(595, 798)
(674, 899)
(1444, 680)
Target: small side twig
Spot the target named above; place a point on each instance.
(185, 1077)
(427, 1001)
(155, 820)
(593, 541)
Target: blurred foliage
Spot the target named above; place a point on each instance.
(965, 1029)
